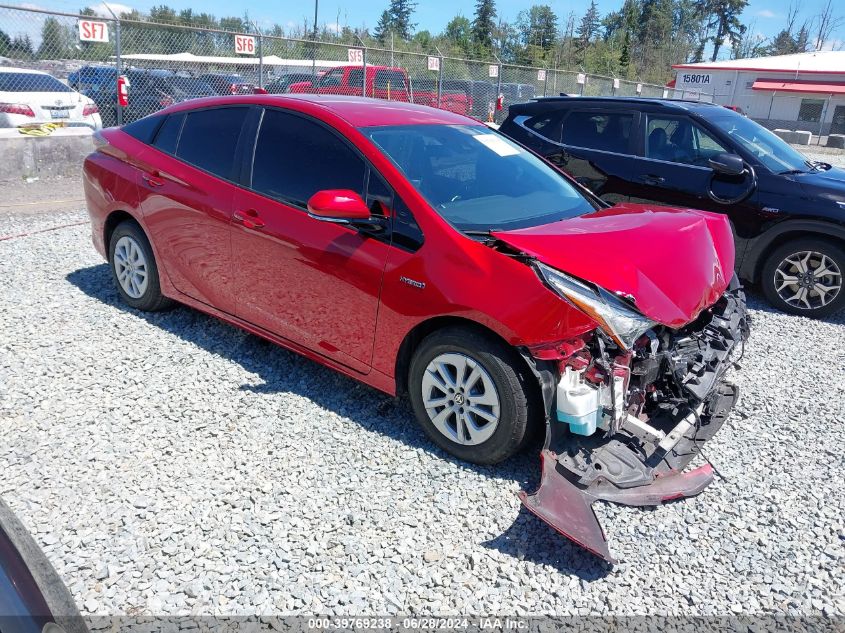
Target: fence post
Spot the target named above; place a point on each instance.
(545, 81)
(119, 66)
(822, 116)
(260, 59)
(364, 72)
(439, 75)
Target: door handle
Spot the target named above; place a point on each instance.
(651, 179)
(153, 179)
(249, 219)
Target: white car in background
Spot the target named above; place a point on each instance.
(32, 97)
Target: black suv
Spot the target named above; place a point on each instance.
(787, 212)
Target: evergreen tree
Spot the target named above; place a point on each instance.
(587, 30)
(396, 19)
(459, 33)
(625, 55)
(5, 43)
(484, 24)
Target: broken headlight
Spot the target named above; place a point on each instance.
(619, 321)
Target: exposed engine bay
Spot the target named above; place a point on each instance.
(624, 423)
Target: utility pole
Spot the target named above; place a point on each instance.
(314, 47)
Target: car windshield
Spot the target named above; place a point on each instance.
(772, 151)
(30, 82)
(477, 179)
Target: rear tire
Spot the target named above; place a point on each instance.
(134, 269)
(472, 395)
(791, 282)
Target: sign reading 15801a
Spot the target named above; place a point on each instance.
(93, 31)
(699, 80)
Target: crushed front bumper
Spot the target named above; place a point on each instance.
(636, 464)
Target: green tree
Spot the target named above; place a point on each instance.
(483, 24)
(724, 17)
(21, 47)
(54, 40)
(5, 43)
(396, 19)
(537, 28)
(459, 33)
(587, 29)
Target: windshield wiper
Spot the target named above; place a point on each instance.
(791, 171)
(819, 165)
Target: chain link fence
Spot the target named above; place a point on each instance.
(82, 56)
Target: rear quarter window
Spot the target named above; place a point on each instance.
(167, 138)
(143, 129)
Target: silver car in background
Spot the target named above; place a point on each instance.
(32, 97)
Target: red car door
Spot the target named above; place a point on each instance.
(186, 197)
(313, 282)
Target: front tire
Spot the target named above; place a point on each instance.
(472, 395)
(805, 277)
(134, 269)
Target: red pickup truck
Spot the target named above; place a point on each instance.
(384, 82)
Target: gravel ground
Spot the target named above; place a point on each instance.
(171, 464)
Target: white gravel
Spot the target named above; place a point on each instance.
(171, 464)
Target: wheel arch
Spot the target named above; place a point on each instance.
(416, 335)
(113, 220)
(752, 265)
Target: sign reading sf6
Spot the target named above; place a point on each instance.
(91, 31)
(244, 45)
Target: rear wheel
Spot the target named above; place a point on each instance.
(472, 395)
(134, 269)
(805, 277)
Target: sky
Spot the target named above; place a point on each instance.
(765, 17)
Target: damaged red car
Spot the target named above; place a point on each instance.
(422, 253)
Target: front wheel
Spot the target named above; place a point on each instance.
(805, 277)
(472, 395)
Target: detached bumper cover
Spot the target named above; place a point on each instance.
(626, 469)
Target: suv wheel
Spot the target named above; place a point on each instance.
(805, 277)
(471, 395)
(134, 269)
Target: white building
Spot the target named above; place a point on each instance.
(804, 91)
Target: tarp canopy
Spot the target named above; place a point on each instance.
(269, 60)
(818, 87)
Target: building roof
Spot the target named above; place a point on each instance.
(828, 62)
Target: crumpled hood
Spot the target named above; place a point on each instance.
(673, 263)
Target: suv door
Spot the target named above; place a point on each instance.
(312, 282)
(672, 166)
(187, 185)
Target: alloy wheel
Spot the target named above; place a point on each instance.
(808, 280)
(460, 398)
(130, 266)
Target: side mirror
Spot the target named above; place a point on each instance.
(342, 206)
(727, 164)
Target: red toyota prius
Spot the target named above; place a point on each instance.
(422, 253)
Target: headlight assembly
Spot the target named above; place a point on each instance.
(619, 321)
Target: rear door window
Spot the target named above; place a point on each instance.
(209, 139)
(393, 77)
(295, 158)
(549, 125)
(606, 131)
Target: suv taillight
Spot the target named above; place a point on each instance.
(90, 109)
(16, 108)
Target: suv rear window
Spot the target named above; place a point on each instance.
(209, 139)
(30, 82)
(607, 131)
(396, 79)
